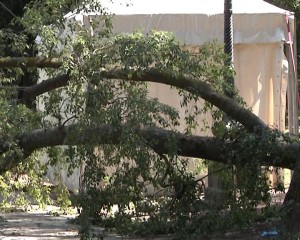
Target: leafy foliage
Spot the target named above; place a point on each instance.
(126, 184)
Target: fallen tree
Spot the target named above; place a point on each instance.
(96, 97)
(188, 145)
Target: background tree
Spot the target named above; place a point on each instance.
(95, 104)
(293, 6)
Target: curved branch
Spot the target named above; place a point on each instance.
(237, 112)
(249, 120)
(233, 109)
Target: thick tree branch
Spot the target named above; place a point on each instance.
(237, 112)
(202, 89)
(210, 148)
(207, 147)
(249, 120)
(46, 86)
(35, 62)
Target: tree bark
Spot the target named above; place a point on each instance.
(233, 109)
(25, 62)
(46, 86)
(190, 146)
(291, 204)
(210, 148)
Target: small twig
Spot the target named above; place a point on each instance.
(7, 9)
(213, 172)
(63, 124)
(158, 191)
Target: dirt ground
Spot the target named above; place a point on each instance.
(46, 224)
(36, 224)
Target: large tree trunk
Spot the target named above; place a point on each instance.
(291, 205)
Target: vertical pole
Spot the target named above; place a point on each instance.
(228, 50)
(228, 42)
(292, 93)
(214, 191)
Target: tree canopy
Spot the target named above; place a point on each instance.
(92, 109)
